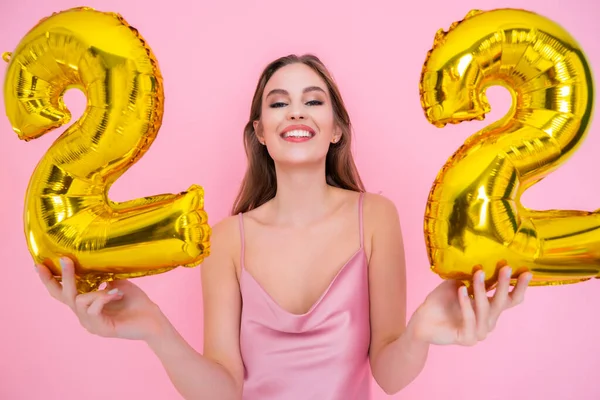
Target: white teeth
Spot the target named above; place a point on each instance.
(297, 133)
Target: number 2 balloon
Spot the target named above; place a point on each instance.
(67, 211)
(474, 218)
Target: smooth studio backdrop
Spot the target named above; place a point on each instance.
(211, 54)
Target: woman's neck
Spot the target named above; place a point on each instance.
(303, 195)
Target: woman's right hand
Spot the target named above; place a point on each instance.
(122, 310)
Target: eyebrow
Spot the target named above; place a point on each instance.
(306, 90)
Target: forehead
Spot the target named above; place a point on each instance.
(294, 78)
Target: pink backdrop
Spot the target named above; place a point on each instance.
(211, 54)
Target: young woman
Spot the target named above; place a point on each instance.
(304, 291)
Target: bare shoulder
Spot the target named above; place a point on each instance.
(224, 241)
(224, 229)
(378, 209)
(381, 221)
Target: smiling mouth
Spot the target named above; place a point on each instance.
(298, 134)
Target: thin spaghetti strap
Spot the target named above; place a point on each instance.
(243, 250)
(360, 217)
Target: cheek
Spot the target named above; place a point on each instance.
(325, 119)
(270, 121)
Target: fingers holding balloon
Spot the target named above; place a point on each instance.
(467, 335)
(69, 285)
(480, 312)
(500, 298)
(517, 295)
(92, 304)
(482, 305)
(507, 296)
(52, 285)
(476, 311)
(89, 308)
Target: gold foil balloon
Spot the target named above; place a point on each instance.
(67, 210)
(474, 218)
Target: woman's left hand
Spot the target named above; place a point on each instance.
(449, 316)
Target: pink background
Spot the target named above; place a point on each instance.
(211, 54)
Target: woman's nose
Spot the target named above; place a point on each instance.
(296, 114)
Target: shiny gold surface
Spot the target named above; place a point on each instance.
(67, 211)
(474, 218)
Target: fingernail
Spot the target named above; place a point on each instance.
(528, 277)
(463, 291)
(509, 272)
(482, 276)
(63, 263)
(115, 291)
(35, 267)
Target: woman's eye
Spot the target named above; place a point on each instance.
(280, 104)
(277, 105)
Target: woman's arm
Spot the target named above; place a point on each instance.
(447, 316)
(396, 356)
(218, 374)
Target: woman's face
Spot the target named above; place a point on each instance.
(297, 122)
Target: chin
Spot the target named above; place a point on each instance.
(299, 156)
(300, 161)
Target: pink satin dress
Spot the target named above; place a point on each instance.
(319, 355)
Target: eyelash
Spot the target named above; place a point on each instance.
(310, 103)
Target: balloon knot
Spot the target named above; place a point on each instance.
(6, 56)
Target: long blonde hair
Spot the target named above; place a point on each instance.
(260, 184)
